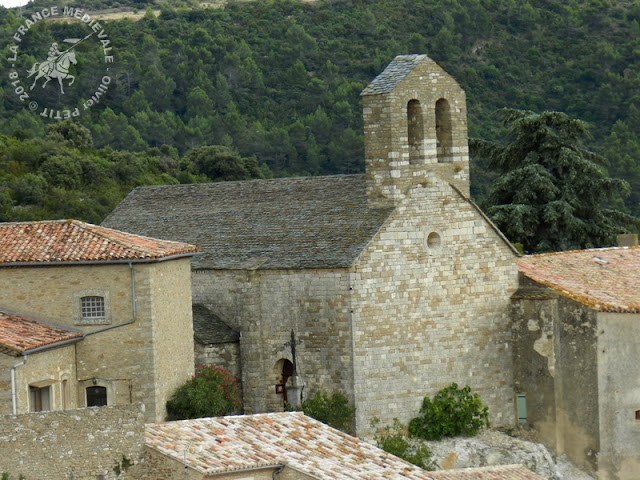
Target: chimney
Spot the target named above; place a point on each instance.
(628, 240)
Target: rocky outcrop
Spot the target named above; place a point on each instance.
(496, 448)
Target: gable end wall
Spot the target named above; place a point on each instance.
(426, 316)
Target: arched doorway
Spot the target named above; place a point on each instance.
(287, 371)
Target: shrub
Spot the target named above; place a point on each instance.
(333, 410)
(211, 392)
(393, 440)
(453, 412)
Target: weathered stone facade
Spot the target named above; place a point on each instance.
(430, 313)
(394, 283)
(576, 367)
(265, 306)
(141, 354)
(55, 368)
(79, 444)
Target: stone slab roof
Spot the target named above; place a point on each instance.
(19, 334)
(605, 279)
(395, 72)
(312, 222)
(70, 241)
(227, 444)
(208, 328)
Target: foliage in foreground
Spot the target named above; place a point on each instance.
(552, 192)
(211, 392)
(334, 410)
(393, 440)
(453, 412)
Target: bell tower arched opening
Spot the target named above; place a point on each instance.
(444, 131)
(415, 131)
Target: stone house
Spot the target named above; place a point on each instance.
(393, 282)
(90, 316)
(576, 344)
(284, 446)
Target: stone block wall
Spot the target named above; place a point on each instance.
(618, 338)
(173, 354)
(265, 306)
(49, 367)
(556, 367)
(431, 307)
(226, 355)
(143, 361)
(51, 293)
(82, 444)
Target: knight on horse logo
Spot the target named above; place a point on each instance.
(57, 64)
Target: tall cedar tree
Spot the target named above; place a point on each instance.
(551, 192)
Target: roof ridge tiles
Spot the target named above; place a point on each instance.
(73, 241)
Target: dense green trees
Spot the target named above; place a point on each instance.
(62, 176)
(551, 191)
(279, 80)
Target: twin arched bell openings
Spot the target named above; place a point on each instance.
(416, 131)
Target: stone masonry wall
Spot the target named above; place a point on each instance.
(265, 306)
(556, 367)
(618, 344)
(82, 444)
(143, 361)
(535, 314)
(52, 366)
(226, 355)
(431, 306)
(49, 293)
(172, 329)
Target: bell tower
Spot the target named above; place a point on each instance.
(415, 124)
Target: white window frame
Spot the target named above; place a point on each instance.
(79, 307)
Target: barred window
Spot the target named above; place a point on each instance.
(92, 307)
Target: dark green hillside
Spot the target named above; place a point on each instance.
(280, 80)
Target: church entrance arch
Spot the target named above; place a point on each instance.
(283, 369)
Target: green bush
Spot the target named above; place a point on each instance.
(393, 440)
(211, 392)
(453, 412)
(333, 410)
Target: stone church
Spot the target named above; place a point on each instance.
(393, 283)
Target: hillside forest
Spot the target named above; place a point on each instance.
(272, 88)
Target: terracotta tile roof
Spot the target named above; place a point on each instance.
(228, 444)
(74, 241)
(499, 472)
(605, 279)
(19, 334)
(308, 222)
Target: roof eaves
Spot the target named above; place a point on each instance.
(59, 263)
(585, 300)
(247, 470)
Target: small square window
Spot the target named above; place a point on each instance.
(92, 307)
(637, 414)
